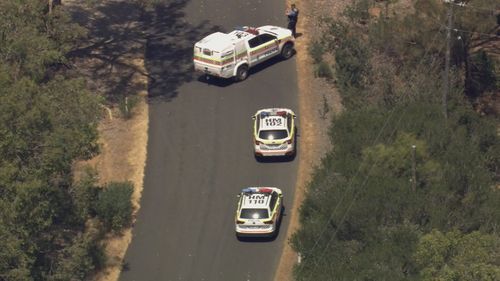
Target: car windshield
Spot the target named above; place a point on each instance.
(254, 214)
(273, 134)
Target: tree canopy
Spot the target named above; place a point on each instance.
(364, 217)
(47, 121)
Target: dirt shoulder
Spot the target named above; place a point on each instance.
(318, 102)
(122, 158)
(112, 63)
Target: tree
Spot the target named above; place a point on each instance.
(457, 256)
(46, 123)
(361, 219)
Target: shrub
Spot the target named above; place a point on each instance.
(127, 104)
(352, 63)
(483, 77)
(358, 12)
(316, 51)
(114, 206)
(79, 260)
(323, 70)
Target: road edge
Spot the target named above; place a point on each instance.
(307, 141)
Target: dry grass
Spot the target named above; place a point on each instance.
(123, 156)
(313, 94)
(123, 142)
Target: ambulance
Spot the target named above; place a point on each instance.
(231, 55)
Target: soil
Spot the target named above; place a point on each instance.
(112, 64)
(319, 101)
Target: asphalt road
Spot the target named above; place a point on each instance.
(200, 150)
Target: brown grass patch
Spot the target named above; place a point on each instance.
(315, 95)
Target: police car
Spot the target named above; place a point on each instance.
(233, 54)
(274, 132)
(259, 211)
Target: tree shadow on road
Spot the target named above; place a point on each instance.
(129, 45)
(169, 49)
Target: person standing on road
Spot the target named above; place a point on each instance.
(293, 17)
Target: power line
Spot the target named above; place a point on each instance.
(468, 6)
(405, 95)
(464, 30)
(447, 62)
(475, 32)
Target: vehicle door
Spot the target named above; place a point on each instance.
(241, 52)
(275, 206)
(262, 47)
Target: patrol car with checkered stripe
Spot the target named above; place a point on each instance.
(259, 211)
(232, 54)
(274, 132)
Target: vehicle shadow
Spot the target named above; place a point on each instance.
(223, 82)
(266, 239)
(276, 159)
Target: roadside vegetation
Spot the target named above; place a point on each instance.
(50, 224)
(410, 189)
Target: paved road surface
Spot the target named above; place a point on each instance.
(200, 151)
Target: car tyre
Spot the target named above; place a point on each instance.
(287, 51)
(242, 73)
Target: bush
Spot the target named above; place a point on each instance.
(114, 206)
(127, 104)
(358, 12)
(483, 77)
(84, 194)
(323, 70)
(79, 260)
(352, 63)
(316, 51)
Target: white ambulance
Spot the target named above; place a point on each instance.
(233, 54)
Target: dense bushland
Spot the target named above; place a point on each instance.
(49, 224)
(365, 217)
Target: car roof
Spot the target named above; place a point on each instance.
(256, 197)
(220, 42)
(271, 123)
(273, 118)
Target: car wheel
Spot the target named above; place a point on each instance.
(287, 51)
(242, 73)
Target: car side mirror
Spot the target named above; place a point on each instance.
(294, 116)
(281, 195)
(238, 195)
(253, 117)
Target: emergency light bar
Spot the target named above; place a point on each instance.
(250, 190)
(281, 113)
(251, 30)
